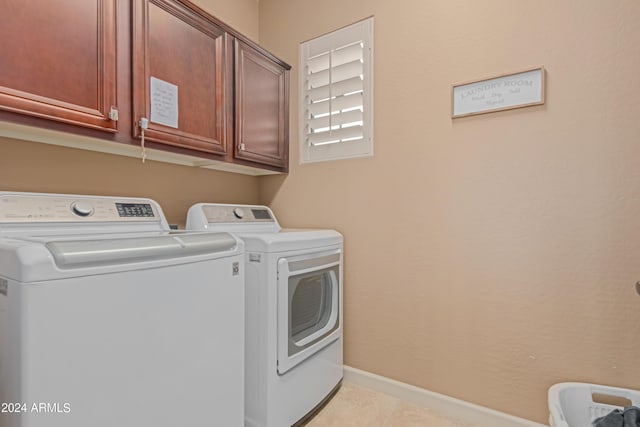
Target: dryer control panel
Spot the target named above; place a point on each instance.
(237, 214)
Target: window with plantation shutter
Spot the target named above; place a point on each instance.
(336, 94)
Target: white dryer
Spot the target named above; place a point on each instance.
(108, 319)
(293, 312)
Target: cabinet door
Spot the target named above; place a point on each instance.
(183, 53)
(58, 60)
(262, 108)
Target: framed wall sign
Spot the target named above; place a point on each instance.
(504, 92)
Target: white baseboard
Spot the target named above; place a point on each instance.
(459, 409)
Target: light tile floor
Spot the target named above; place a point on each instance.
(355, 406)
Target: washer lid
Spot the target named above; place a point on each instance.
(90, 253)
(54, 257)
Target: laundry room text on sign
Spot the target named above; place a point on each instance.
(505, 92)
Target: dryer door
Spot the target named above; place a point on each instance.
(309, 293)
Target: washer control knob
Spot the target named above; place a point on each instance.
(82, 208)
(239, 213)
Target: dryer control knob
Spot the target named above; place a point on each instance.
(239, 213)
(82, 208)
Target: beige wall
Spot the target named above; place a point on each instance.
(487, 257)
(26, 166)
(242, 15)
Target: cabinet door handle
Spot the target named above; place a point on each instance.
(242, 147)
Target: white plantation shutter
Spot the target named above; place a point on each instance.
(336, 94)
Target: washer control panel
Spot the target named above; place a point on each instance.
(55, 208)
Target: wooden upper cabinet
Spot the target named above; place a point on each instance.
(203, 89)
(58, 60)
(184, 53)
(261, 107)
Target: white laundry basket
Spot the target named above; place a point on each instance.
(572, 404)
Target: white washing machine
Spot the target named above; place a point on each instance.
(108, 319)
(293, 312)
